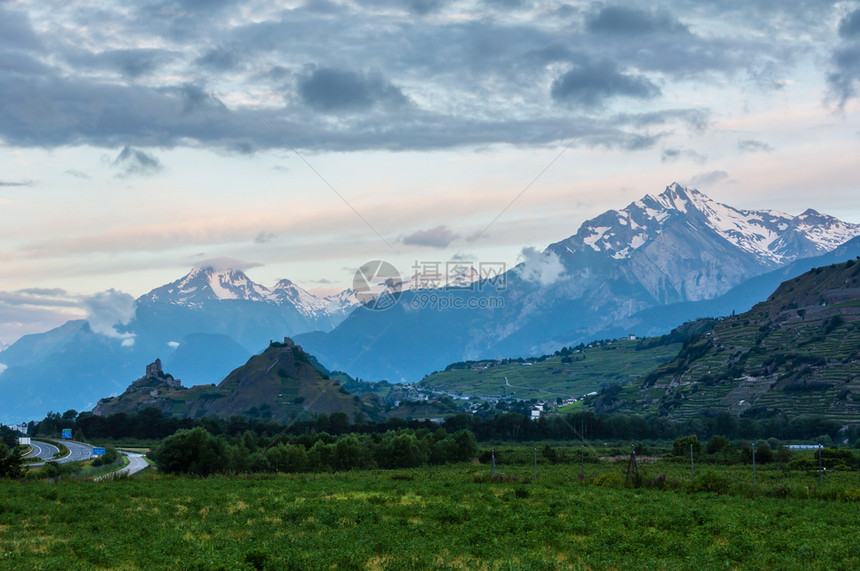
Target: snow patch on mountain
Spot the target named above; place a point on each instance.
(772, 236)
(206, 285)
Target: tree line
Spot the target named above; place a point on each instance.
(196, 451)
(151, 424)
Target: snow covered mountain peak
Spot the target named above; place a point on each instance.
(772, 237)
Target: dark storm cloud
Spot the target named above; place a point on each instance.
(134, 162)
(624, 20)
(844, 80)
(479, 78)
(849, 26)
(592, 84)
(333, 90)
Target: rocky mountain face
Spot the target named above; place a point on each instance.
(797, 353)
(678, 250)
(283, 383)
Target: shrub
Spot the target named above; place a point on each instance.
(711, 482)
(609, 480)
(681, 446)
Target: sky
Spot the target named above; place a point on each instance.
(301, 139)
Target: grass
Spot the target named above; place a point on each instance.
(444, 517)
(587, 371)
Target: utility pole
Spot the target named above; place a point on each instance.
(753, 451)
(692, 469)
(582, 462)
(820, 466)
(493, 468)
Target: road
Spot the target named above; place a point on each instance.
(136, 463)
(81, 451)
(41, 450)
(45, 451)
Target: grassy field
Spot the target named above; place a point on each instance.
(585, 372)
(447, 517)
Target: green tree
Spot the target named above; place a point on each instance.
(192, 451)
(716, 444)
(681, 446)
(11, 461)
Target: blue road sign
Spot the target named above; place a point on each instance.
(98, 451)
(67, 433)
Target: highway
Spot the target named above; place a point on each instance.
(45, 451)
(81, 451)
(41, 450)
(136, 463)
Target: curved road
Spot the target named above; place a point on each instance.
(136, 463)
(41, 450)
(45, 451)
(81, 451)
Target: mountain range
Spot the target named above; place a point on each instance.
(643, 269)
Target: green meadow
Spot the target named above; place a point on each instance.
(456, 516)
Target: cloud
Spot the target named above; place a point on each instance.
(134, 162)
(707, 179)
(671, 155)
(438, 237)
(544, 268)
(265, 237)
(843, 81)
(34, 310)
(752, 146)
(219, 59)
(2, 368)
(39, 297)
(223, 263)
(173, 344)
(626, 21)
(332, 90)
(849, 26)
(16, 183)
(108, 309)
(77, 174)
(592, 84)
(417, 7)
(132, 63)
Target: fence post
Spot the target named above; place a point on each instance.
(493, 458)
(535, 464)
(582, 462)
(820, 466)
(692, 469)
(753, 455)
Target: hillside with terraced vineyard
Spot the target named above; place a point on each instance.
(798, 353)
